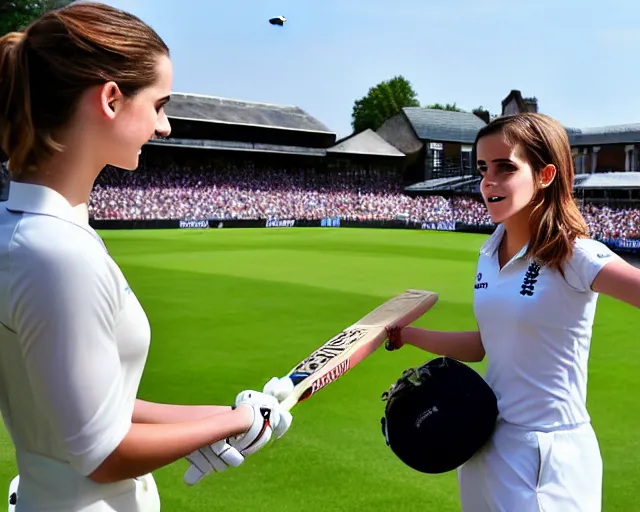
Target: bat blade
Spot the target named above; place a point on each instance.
(355, 343)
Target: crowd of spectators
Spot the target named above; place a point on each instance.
(249, 193)
(229, 191)
(606, 222)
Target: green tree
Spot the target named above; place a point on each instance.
(18, 14)
(448, 106)
(381, 102)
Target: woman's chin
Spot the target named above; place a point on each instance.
(497, 216)
(129, 164)
(500, 214)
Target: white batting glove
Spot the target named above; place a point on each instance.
(279, 388)
(217, 457)
(280, 420)
(269, 419)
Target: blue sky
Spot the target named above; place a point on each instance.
(578, 58)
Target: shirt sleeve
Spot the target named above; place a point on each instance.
(64, 302)
(589, 257)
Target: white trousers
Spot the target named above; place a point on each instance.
(135, 495)
(48, 485)
(527, 471)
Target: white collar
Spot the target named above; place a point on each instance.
(490, 247)
(41, 200)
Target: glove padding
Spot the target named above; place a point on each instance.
(216, 457)
(280, 420)
(269, 419)
(279, 388)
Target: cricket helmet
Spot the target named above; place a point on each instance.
(438, 415)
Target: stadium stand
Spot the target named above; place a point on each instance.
(246, 191)
(236, 160)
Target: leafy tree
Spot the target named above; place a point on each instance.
(18, 14)
(448, 106)
(381, 102)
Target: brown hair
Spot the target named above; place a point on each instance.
(556, 221)
(45, 69)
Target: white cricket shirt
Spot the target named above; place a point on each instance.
(536, 330)
(73, 345)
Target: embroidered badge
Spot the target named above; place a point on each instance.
(530, 280)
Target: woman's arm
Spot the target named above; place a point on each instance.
(463, 346)
(146, 448)
(152, 412)
(620, 280)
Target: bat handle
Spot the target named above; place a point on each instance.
(288, 403)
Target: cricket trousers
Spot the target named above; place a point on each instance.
(47, 485)
(520, 470)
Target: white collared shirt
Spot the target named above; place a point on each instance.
(536, 329)
(73, 344)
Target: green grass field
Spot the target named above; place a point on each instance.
(231, 308)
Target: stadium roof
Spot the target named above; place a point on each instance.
(608, 180)
(617, 134)
(228, 145)
(195, 107)
(444, 125)
(450, 183)
(367, 142)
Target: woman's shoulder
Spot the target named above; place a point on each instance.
(49, 235)
(588, 258)
(586, 242)
(42, 244)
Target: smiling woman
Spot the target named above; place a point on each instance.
(540, 277)
(527, 184)
(81, 88)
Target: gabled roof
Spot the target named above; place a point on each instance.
(444, 125)
(222, 110)
(367, 142)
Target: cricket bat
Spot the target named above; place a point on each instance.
(348, 348)
(355, 343)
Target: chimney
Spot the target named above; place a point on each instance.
(484, 115)
(531, 104)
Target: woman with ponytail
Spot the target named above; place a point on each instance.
(81, 88)
(537, 283)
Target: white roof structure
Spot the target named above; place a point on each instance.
(608, 180)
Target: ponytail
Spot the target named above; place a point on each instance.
(16, 126)
(19, 139)
(9, 44)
